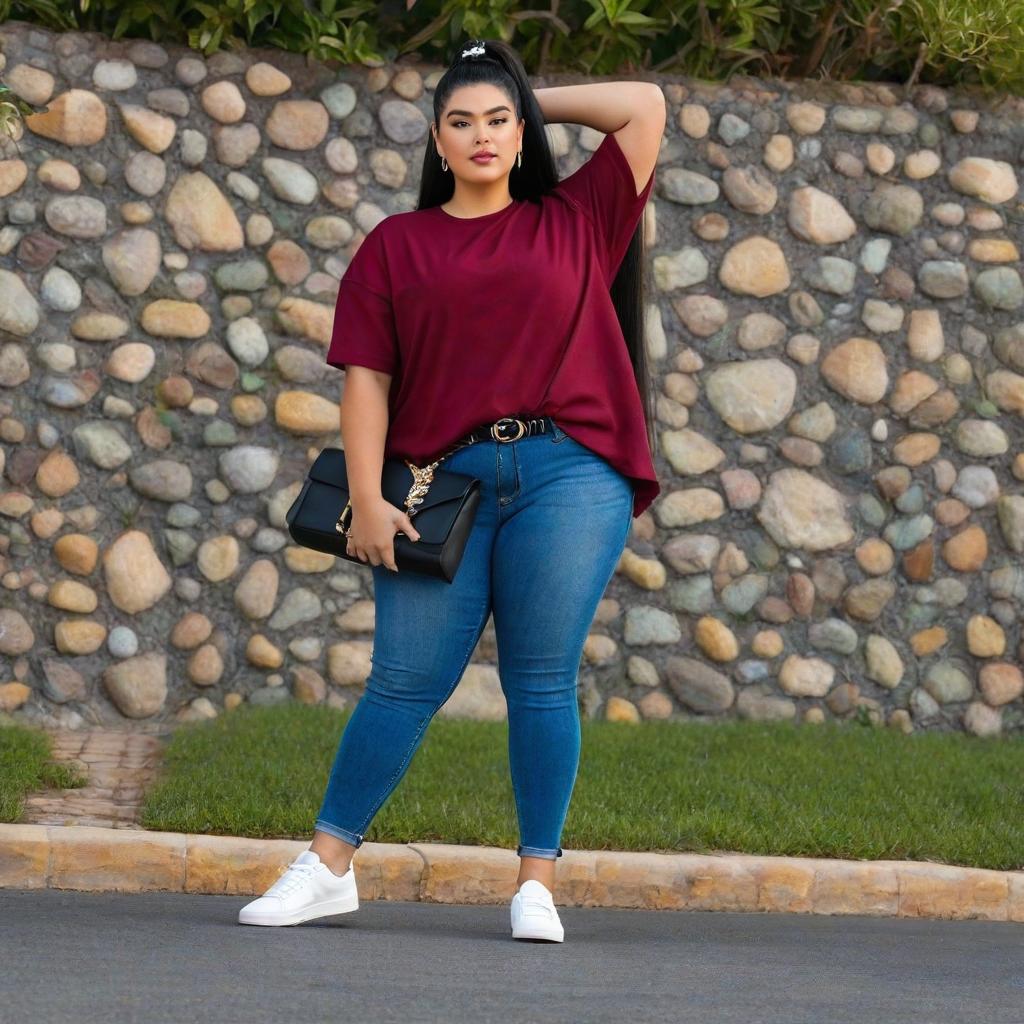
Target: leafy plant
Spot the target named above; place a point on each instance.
(13, 110)
(330, 32)
(956, 39)
(940, 41)
(722, 36)
(617, 27)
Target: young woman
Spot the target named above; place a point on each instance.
(506, 312)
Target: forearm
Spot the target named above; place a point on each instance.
(364, 427)
(604, 106)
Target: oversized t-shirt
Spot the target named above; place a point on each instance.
(506, 314)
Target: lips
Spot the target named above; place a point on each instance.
(483, 158)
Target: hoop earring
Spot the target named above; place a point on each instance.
(519, 159)
(444, 164)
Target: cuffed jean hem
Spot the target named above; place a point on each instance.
(341, 833)
(538, 851)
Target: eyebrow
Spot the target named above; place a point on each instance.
(469, 113)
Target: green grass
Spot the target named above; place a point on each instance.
(831, 790)
(26, 766)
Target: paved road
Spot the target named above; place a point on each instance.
(166, 957)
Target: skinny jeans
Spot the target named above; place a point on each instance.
(551, 525)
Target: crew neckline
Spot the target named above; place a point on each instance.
(476, 220)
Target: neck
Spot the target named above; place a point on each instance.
(478, 200)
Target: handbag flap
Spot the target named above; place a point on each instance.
(329, 468)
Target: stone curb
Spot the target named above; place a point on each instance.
(136, 860)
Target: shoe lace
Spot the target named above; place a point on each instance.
(294, 878)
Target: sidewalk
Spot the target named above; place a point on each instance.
(119, 764)
(87, 839)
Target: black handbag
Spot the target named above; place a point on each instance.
(442, 505)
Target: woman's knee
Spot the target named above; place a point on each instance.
(557, 694)
(396, 686)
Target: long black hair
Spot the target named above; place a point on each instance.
(501, 66)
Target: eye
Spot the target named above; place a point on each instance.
(500, 120)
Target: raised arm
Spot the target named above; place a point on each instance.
(633, 111)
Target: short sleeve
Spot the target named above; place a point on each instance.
(364, 333)
(605, 189)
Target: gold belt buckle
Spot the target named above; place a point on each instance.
(507, 419)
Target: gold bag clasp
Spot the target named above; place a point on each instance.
(421, 481)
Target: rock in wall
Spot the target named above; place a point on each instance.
(835, 331)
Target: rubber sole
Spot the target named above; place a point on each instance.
(538, 932)
(534, 938)
(325, 908)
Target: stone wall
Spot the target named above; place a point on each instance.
(835, 328)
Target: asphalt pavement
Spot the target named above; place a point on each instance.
(153, 957)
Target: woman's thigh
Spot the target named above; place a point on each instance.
(425, 629)
(555, 551)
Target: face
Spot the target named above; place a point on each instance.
(479, 118)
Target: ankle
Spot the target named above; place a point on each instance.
(549, 884)
(332, 851)
(338, 865)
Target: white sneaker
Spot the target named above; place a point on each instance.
(308, 889)
(534, 915)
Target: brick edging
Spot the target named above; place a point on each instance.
(136, 860)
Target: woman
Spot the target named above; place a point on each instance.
(503, 314)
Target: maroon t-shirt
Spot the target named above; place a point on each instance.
(507, 314)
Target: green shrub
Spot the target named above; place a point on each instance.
(939, 41)
(965, 39)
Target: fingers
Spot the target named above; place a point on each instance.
(410, 531)
(383, 557)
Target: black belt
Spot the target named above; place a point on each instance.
(508, 428)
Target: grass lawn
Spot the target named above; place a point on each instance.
(25, 766)
(831, 790)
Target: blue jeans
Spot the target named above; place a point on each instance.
(552, 522)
